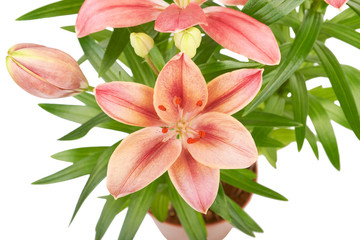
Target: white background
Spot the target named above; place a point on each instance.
(323, 203)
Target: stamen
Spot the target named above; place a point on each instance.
(165, 130)
(199, 103)
(178, 100)
(192, 140)
(162, 108)
(202, 134)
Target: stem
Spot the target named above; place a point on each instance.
(151, 64)
(89, 89)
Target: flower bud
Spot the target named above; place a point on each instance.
(188, 41)
(142, 43)
(45, 72)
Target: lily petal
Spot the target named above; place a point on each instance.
(196, 183)
(96, 15)
(242, 34)
(233, 2)
(176, 19)
(336, 3)
(230, 92)
(226, 143)
(129, 103)
(180, 79)
(140, 158)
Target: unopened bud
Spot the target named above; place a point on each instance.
(188, 41)
(142, 43)
(45, 72)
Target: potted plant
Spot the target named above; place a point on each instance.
(196, 118)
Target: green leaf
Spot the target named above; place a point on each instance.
(267, 142)
(236, 179)
(324, 130)
(86, 127)
(119, 39)
(300, 99)
(88, 99)
(78, 169)
(269, 11)
(355, 5)
(348, 17)
(312, 72)
(240, 218)
(139, 205)
(219, 205)
(326, 93)
(61, 8)
(157, 58)
(76, 154)
(212, 70)
(160, 205)
(342, 32)
(100, 36)
(96, 176)
(283, 135)
(270, 155)
(191, 220)
(303, 43)
(95, 53)
(353, 76)
(265, 119)
(312, 140)
(340, 85)
(335, 112)
(111, 208)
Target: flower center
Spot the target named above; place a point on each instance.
(182, 3)
(182, 128)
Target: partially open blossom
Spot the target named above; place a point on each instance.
(188, 40)
(45, 72)
(188, 130)
(232, 29)
(142, 43)
(336, 3)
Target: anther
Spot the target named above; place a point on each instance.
(192, 140)
(162, 108)
(202, 134)
(178, 100)
(165, 130)
(199, 103)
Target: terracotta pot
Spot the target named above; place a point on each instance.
(216, 230)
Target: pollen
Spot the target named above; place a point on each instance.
(178, 100)
(165, 130)
(202, 134)
(199, 103)
(192, 140)
(162, 108)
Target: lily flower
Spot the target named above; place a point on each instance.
(188, 130)
(232, 29)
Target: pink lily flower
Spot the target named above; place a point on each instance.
(188, 130)
(232, 29)
(336, 3)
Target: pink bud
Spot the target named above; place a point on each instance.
(45, 72)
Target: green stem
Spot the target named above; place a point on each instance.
(89, 89)
(151, 64)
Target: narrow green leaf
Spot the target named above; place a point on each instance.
(78, 169)
(283, 135)
(312, 72)
(300, 99)
(268, 142)
(269, 11)
(240, 217)
(347, 17)
(76, 154)
(191, 220)
(207, 48)
(236, 179)
(157, 58)
(119, 39)
(219, 205)
(61, 8)
(139, 205)
(270, 155)
(303, 43)
(96, 176)
(342, 32)
(353, 76)
(355, 5)
(88, 99)
(312, 140)
(86, 127)
(340, 85)
(95, 53)
(111, 208)
(324, 130)
(325, 93)
(160, 205)
(265, 119)
(335, 112)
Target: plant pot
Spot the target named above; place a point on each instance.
(217, 228)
